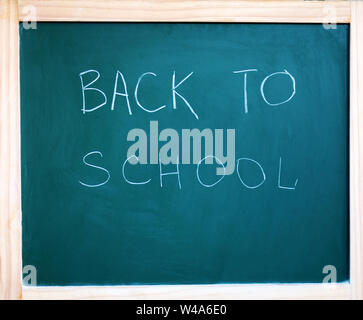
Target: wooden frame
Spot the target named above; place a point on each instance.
(295, 11)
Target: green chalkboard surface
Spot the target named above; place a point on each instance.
(157, 153)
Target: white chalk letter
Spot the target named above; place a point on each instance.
(123, 171)
(136, 92)
(125, 94)
(219, 180)
(179, 95)
(87, 88)
(245, 86)
(285, 72)
(97, 167)
(279, 180)
(258, 165)
(170, 173)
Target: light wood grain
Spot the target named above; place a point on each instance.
(211, 292)
(356, 150)
(10, 213)
(179, 10)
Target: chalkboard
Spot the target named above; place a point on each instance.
(260, 111)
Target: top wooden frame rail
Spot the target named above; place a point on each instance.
(286, 11)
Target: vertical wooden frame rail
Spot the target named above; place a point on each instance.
(356, 150)
(295, 11)
(10, 190)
